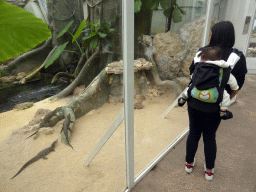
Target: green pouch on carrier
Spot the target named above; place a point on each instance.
(210, 96)
(206, 83)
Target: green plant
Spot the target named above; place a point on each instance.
(94, 34)
(171, 8)
(20, 31)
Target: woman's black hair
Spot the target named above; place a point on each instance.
(223, 34)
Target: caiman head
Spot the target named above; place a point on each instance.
(54, 143)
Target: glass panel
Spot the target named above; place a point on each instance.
(168, 55)
(97, 105)
(251, 52)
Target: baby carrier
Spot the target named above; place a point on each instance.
(209, 80)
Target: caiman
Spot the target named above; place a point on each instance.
(41, 155)
(46, 120)
(65, 128)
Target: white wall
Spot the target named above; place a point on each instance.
(236, 12)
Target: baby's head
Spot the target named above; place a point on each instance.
(210, 54)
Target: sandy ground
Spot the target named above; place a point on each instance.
(65, 169)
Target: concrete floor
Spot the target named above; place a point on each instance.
(235, 166)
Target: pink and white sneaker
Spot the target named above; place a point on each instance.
(188, 167)
(208, 175)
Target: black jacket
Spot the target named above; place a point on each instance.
(239, 71)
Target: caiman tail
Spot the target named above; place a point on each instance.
(26, 164)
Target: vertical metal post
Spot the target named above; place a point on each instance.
(208, 21)
(194, 9)
(128, 60)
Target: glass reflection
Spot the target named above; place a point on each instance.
(251, 52)
(175, 35)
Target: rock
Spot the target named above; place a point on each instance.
(23, 106)
(157, 91)
(115, 100)
(170, 50)
(8, 79)
(78, 90)
(116, 88)
(192, 34)
(92, 112)
(140, 83)
(183, 82)
(23, 130)
(20, 75)
(35, 136)
(147, 39)
(138, 101)
(34, 127)
(42, 112)
(46, 130)
(139, 98)
(35, 121)
(26, 129)
(185, 64)
(152, 92)
(116, 67)
(138, 106)
(15, 132)
(251, 52)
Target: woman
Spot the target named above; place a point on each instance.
(204, 118)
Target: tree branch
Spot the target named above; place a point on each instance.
(78, 80)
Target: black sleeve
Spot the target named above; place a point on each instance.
(240, 71)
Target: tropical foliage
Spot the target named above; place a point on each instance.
(93, 35)
(20, 31)
(171, 8)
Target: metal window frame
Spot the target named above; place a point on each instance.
(209, 13)
(128, 62)
(128, 57)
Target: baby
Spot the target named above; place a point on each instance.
(212, 55)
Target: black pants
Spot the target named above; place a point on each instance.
(206, 123)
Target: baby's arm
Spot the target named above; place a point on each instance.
(184, 96)
(233, 86)
(225, 101)
(224, 113)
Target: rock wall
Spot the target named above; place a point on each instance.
(192, 34)
(251, 52)
(141, 83)
(174, 52)
(170, 51)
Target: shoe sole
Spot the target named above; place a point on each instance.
(208, 178)
(191, 169)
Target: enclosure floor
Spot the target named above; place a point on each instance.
(64, 170)
(235, 166)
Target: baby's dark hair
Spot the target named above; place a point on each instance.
(210, 53)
